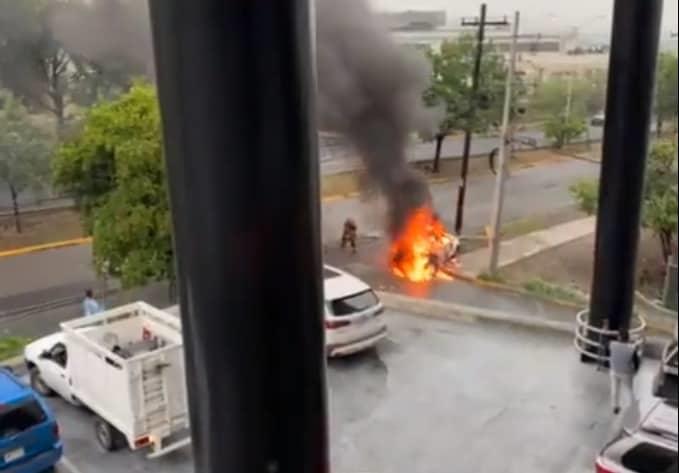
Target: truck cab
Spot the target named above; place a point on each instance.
(47, 363)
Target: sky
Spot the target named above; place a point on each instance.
(545, 16)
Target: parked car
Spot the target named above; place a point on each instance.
(29, 433)
(126, 365)
(647, 442)
(598, 120)
(354, 315)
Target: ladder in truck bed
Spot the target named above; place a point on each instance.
(155, 410)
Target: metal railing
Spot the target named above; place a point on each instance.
(669, 359)
(592, 342)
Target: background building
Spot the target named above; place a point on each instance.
(541, 55)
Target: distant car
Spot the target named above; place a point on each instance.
(598, 120)
(647, 442)
(354, 319)
(29, 433)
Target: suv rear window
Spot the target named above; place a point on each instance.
(19, 419)
(329, 273)
(649, 458)
(356, 303)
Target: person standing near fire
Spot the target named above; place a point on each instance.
(349, 234)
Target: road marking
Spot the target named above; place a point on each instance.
(68, 465)
(47, 246)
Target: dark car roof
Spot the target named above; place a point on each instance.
(11, 389)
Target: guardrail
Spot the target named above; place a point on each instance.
(597, 349)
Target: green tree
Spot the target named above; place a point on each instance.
(24, 153)
(579, 96)
(451, 88)
(115, 170)
(666, 101)
(660, 195)
(562, 129)
(33, 65)
(37, 67)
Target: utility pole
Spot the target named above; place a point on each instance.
(481, 22)
(501, 178)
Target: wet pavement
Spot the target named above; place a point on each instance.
(435, 397)
(371, 265)
(56, 274)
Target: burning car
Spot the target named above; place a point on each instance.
(424, 250)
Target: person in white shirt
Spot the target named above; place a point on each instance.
(625, 363)
(90, 304)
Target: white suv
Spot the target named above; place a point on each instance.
(354, 319)
(647, 442)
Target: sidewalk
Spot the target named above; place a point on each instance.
(511, 251)
(458, 298)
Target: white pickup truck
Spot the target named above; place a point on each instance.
(126, 365)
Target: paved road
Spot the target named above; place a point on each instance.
(31, 279)
(530, 192)
(337, 157)
(436, 397)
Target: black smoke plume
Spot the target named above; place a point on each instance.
(370, 88)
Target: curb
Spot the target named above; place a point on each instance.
(456, 312)
(658, 319)
(514, 289)
(45, 247)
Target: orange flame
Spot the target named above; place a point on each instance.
(422, 248)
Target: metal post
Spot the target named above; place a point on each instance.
(633, 59)
(501, 178)
(462, 190)
(236, 92)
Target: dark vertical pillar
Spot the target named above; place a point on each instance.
(631, 83)
(236, 94)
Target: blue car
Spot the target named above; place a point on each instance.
(29, 433)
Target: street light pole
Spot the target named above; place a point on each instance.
(501, 178)
(481, 22)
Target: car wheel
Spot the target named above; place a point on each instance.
(108, 437)
(38, 384)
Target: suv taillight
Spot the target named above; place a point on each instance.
(335, 324)
(56, 431)
(602, 469)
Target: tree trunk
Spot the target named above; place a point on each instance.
(658, 127)
(666, 244)
(15, 207)
(60, 115)
(437, 157)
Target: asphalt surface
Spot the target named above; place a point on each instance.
(529, 192)
(36, 278)
(337, 157)
(435, 397)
